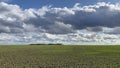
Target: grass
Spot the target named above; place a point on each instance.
(54, 56)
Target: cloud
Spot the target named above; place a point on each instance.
(95, 29)
(72, 38)
(52, 24)
(60, 28)
(115, 30)
(60, 20)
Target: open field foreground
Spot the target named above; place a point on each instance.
(54, 56)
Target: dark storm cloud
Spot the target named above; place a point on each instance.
(102, 16)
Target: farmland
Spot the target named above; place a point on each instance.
(59, 56)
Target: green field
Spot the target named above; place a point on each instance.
(59, 56)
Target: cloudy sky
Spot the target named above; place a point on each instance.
(60, 21)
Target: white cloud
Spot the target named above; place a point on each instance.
(74, 38)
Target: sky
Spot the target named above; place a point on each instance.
(56, 3)
(60, 21)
